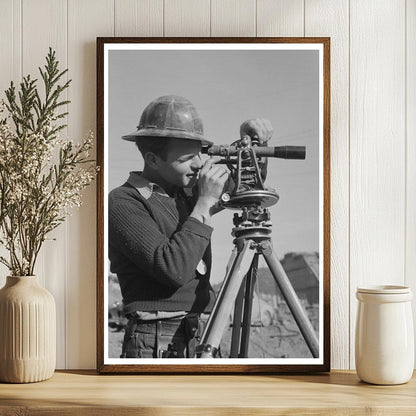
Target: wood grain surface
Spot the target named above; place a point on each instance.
(85, 19)
(186, 18)
(84, 392)
(138, 18)
(410, 259)
(377, 148)
(233, 18)
(52, 261)
(280, 18)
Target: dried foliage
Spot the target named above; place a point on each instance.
(41, 175)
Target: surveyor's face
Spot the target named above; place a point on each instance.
(183, 163)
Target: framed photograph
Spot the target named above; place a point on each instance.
(213, 205)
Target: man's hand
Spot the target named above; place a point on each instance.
(211, 183)
(212, 179)
(262, 130)
(259, 128)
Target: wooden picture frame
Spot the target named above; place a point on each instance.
(221, 76)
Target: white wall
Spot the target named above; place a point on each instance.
(373, 132)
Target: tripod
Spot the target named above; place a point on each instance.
(252, 234)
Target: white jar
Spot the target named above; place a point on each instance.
(384, 337)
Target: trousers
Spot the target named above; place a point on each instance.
(165, 338)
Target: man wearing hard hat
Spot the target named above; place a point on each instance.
(160, 230)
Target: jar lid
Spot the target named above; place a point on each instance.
(384, 289)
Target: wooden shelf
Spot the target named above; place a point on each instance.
(86, 393)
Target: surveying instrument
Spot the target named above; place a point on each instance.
(252, 232)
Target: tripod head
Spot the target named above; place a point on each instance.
(246, 159)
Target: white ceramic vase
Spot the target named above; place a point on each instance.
(27, 331)
(384, 340)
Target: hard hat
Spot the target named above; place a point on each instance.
(170, 116)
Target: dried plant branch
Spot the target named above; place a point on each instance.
(41, 176)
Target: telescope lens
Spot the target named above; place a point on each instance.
(282, 152)
(290, 152)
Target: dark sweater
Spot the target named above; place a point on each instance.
(155, 248)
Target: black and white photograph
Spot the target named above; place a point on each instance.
(214, 205)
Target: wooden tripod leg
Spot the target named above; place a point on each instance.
(238, 313)
(248, 306)
(220, 315)
(291, 297)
